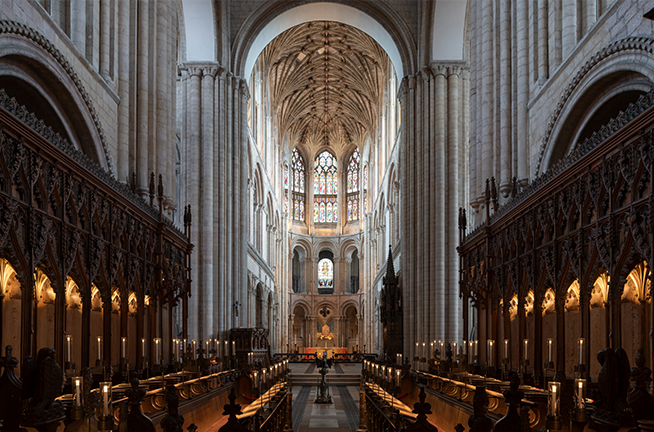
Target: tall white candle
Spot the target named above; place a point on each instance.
(454, 349)
(99, 348)
(105, 398)
(143, 347)
(581, 350)
(68, 343)
(156, 351)
(554, 401)
(526, 344)
(549, 350)
(195, 352)
(78, 392)
(506, 348)
(123, 347)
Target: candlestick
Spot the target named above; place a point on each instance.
(123, 347)
(195, 352)
(580, 402)
(549, 349)
(143, 347)
(491, 342)
(256, 379)
(156, 350)
(99, 348)
(106, 398)
(233, 348)
(471, 357)
(506, 348)
(226, 353)
(78, 391)
(442, 352)
(68, 343)
(454, 349)
(398, 374)
(526, 345)
(424, 350)
(477, 347)
(581, 350)
(554, 396)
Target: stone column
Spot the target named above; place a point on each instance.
(143, 100)
(589, 9)
(543, 67)
(522, 141)
(554, 28)
(487, 100)
(78, 24)
(451, 284)
(122, 84)
(569, 32)
(193, 183)
(206, 212)
(105, 38)
(505, 114)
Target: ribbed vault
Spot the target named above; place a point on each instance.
(326, 84)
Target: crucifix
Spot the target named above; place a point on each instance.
(324, 311)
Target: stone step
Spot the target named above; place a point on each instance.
(332, 379)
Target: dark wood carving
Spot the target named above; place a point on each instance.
(174, 421)
(422, 408)
(232, 409)
(136, 420)
(512, 420)
(391, 311)
(11, 389)
(42, 383)
(640, 400)
(62, 213)
(478, 422)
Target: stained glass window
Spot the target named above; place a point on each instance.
(353, 186)
(325, 188)
(285, 176)
(296, 174)
(353, 172)
(325, 273)
(286, 203)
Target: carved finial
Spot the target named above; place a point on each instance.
(9, 362)
(232, 409)
(390, 268)
(640, 374)
(151, 184)
(422, 408)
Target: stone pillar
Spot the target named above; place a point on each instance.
(589, 10)
(543, 67)
(554, 30)
(487, 100)
(143, 100)
(78, 24)
(506, 97)
(522, 141)
(569, 32)
(193, 184)
(451, 283)
(122, 84)
(206, 212)
(105, 38)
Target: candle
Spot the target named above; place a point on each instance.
(233, 348)
(554, 399)
(454, 349)
(424, 350)
(123, 347)
(226, 353)
(416, 354)
(506, 348)
(464, 345)
(471, 357)
(398, 374)
(256, 377)
(156, 351)
(549, 349)
(68, 343)
(143, 347)
(526, 344)
(399, 359)
(78, 391)
(490, 352)
(99, 348)
(105, 398)
(431, 347)
(581, 402)
(442, 351)
(206, 343)
(476, 347)
(195, 352)
(581, 350)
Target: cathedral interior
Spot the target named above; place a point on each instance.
(306, 215)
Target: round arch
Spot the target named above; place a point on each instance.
(52, 90)
(376, 19)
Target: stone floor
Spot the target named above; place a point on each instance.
(340, 416)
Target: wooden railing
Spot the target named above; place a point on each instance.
(278, 417)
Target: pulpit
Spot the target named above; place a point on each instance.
(251, 340)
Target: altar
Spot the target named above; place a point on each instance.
(330, 351)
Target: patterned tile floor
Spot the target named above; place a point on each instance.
(340, 416)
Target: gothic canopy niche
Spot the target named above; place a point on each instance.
(326, 85)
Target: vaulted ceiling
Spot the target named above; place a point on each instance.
(326, 84)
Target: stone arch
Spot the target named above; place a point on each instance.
(378, 20)
(602, 68)
(42, 69)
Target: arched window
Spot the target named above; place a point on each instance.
(294, 186)
(365, 189)
(325, 274)
(353, 186)
(325, 189)
(286, 188)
